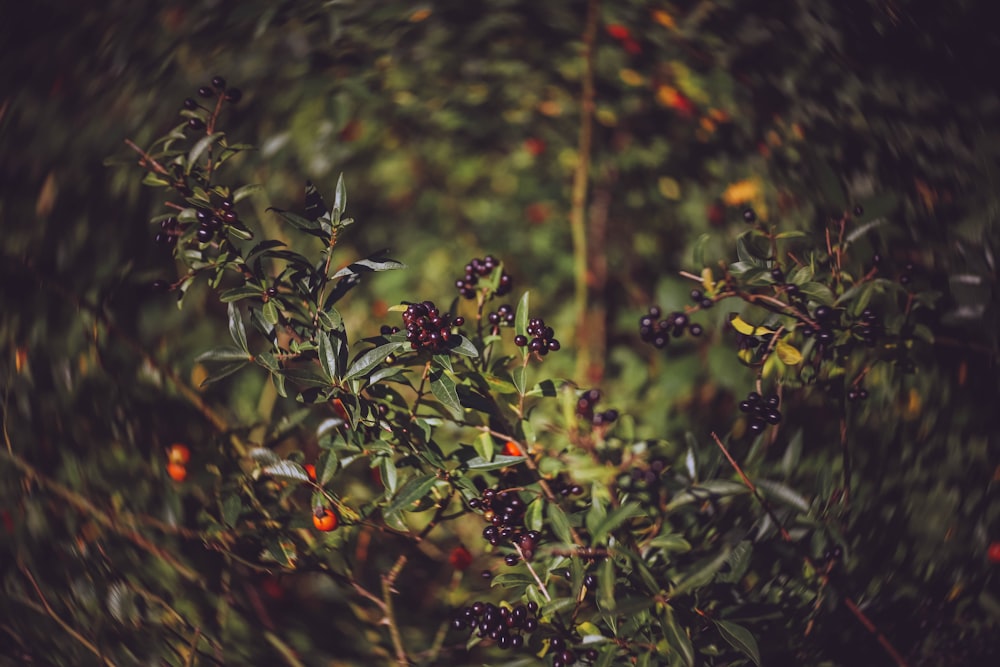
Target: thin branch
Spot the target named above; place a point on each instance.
(63, 624)
(388, 581)
(851, 605)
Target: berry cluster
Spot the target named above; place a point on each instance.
(504, 625)
(502, 316)
(481, 268)
(543, 338)
(867, 327)
(762, 411)
(170, 229)
(565, 486)
(212, 220)
(504, 510)
(701, 300)
(427, 328)
(585, 409)
(216, 89)
(828, 320)
(657, 332)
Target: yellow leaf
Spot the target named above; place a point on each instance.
(664, 19)
(748, 329)
(708, 281)
(669, 188)
(198, 375)
(741, 192)
(631, 77)
(788, 353)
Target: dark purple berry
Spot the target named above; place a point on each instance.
(205, 91)
(218, 82)
(190, 104)
(520, 340)
(234, 95)
(196, 124)
(749, 216)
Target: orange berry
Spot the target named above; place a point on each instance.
(993, 553)
(311, 471)
(460, 558)
(177, 471)
(325, 520)
(179, 453)
(512, 449)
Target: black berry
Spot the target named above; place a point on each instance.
(749, 216)
(219, 83)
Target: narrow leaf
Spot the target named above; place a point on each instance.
(286, 470)
(443, 388)
(328, 356)
(740, 639)
(224, 353)
(236, 328)
(370, 360)
(412, 491)
(200, 147)
(559, 522)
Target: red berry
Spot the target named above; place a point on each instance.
(460, 558)
(993, 553)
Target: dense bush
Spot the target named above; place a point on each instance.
(789, 459)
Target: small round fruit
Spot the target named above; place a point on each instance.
(520, 340)
(179, 453)
(512, 449)
(190, 104)
(219, 82)
(177, 471)
(325, 519)
(196, 124)
(205, 91)
(311, 471)
(749, 216)
(993, 553)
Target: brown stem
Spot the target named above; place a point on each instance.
(388, 581)
(577, 217)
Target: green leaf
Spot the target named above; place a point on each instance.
(678, 638)
(517, 375)
(375, 263)
(340, 197)
(236, 328)
(818, 292)
(788, 353)
(328, 356)
(224, 353)
(740, 639)
(670, 543)
(616, 518)
(221, 372)
(521, 323)
(245, 191)
(370, 360)
(263, 456)
(443, 388)
(785, 494)
(533, 515)
(412, 492)
(295, 220)
(232, 506)
(315, 206)
(559, 523)
(701, 576)
(484, 445)
(499, 461)
(464, 347)
(286, 470)
(199, 148)
(242, 292)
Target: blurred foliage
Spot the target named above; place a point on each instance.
(456, 127)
